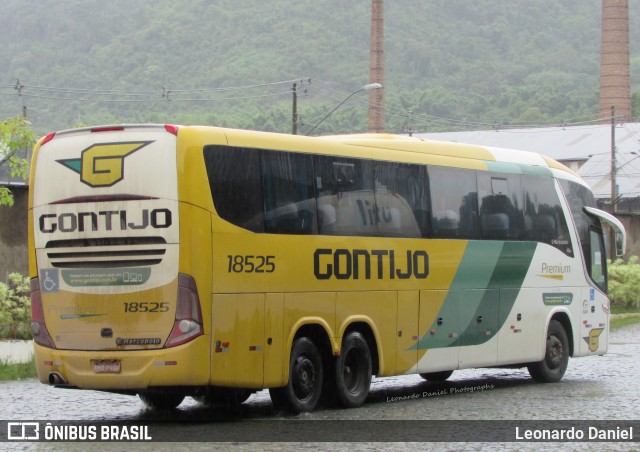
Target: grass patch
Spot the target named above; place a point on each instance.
(624, 319)
(17, 371)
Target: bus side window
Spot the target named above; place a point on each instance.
(454, 202)
(544, 219)
(500, 206)
(401, 200)
(289, 197)
(578, 197)
(345, 198)
(235, 182)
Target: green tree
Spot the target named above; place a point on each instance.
(16, 137)
(624, 283)
(15, 308)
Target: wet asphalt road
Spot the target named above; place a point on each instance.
(593, 389)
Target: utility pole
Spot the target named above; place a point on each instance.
(614, 191)
(295, 117)
(294, 111)
(19, 87)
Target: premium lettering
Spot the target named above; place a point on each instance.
(555, 269)
(343, 263)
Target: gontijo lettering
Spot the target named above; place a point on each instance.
(369, 264)
(106, 220)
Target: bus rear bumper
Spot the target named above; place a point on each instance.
(185, 365)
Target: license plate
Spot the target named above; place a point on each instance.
(106, 366)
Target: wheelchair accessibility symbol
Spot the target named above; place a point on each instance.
(49, 280)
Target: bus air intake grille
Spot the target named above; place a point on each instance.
(106, 252)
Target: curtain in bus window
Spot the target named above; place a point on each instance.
(544, 220)
(345, 196)
(454, 202)
(500, 199)
(236, 185)
(289, 199)
(401, 200)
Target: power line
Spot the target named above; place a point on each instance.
(321, 89)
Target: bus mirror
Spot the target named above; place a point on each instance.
(620, 236)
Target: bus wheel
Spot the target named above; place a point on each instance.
(556, 356)
(305, 379)
(437, 376)
(160, 401)
(353, 371)
(225, 397)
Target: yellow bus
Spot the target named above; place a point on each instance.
(170, 261)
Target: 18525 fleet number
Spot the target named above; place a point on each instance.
(250, 264)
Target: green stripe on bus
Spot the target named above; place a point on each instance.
(502, 291)
(474, 272)
(482, 294)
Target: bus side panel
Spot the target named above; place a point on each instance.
(406, 353)
(304, 308)
(378, 310)
(479, 313)
(274, 343)
(439, 330)
(519, 340)
(594, 328)
(238, 335)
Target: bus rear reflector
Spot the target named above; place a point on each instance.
(188, 322)
(38, 327)
(47, 138)
(171, 129)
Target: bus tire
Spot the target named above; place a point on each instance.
(437, 376)
(556, 357)
(353, 371)
(161, 401)
(305, 379)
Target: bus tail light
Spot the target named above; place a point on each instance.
(188, 322)
(47, 138)
(38, 328)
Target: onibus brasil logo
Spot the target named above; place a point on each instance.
(102, 164)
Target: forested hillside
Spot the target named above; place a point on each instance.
(450, 64)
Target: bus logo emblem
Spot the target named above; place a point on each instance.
(102, 164)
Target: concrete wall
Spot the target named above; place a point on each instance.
(13, 235)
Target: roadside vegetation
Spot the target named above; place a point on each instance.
(15, 308)
(17, 371)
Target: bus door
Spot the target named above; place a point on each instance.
(595, 305)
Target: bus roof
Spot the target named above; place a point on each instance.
(460, 150)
